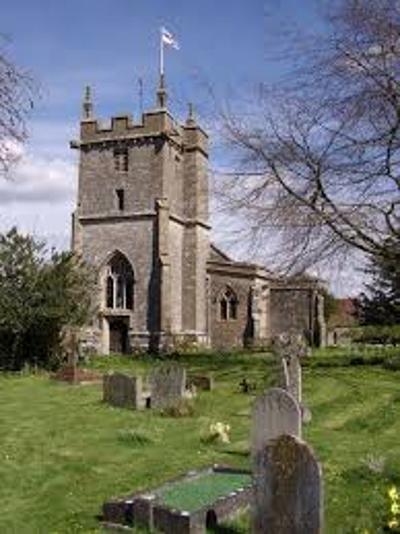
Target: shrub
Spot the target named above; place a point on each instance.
(39, 297)
(382, 335)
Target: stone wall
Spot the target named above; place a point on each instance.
(229, 333)
(142, 182)
(134, 239)
(292, 310)
(176, 233)
(195, 253)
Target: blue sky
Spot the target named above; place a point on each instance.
(110, 44)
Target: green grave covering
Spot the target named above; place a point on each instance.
(194, 493)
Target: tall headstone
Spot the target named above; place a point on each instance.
(275, 413)
(288, 496)
(122, 391)
(167, 385)
(295, 379)
(290, 349)
(321, 320)
(284, 378)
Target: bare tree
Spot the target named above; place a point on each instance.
(319, 160)
(17, 90)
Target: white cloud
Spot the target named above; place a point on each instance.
(39, 180)
(39, 197)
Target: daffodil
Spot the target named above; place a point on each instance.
(221, 431)
(395, 508)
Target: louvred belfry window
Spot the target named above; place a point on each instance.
(121, 160)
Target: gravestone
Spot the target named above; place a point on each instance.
(290, 349)
(122, 391)
(295, 380)
(287, 345)
(167, 385)
(288, 497)
(275, 413)
(321, 320)
(202, 382)
(284, 378)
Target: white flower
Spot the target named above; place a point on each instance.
(220, 431)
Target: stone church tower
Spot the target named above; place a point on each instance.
(142, 222)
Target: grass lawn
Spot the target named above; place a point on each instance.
(63, 452)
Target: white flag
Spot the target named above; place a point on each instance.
(169, 39)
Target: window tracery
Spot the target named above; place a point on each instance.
(228, 305)
(120, 282)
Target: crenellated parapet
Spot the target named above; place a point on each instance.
(123, 127)
(158, 123)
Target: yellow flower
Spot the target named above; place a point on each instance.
(393, 523)
(395, 508)
(393, 493)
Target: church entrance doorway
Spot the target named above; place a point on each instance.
(118, 336)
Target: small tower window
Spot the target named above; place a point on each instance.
(121, 160)
(120, 199)
(228, 304)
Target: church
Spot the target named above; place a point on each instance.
(142, 223)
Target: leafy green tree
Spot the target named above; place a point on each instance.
(40, 296)
(380, 305)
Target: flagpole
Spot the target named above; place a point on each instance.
(161, 54)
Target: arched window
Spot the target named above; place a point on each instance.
(110, 292)
(120, 280)
(228, 305)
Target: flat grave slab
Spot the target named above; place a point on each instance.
(187, 505)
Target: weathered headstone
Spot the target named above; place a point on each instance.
(290, 349)
(122, 391)
(202, 382)
(321, 320)
(295, 380)
(275, 413)
(167, 385)
(284, 378)
(288, 497)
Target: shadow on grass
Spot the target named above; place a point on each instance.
(241, 454)
(213, 360)
(225, 529)
(381, 418)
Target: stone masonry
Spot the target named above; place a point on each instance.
(141, 221)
